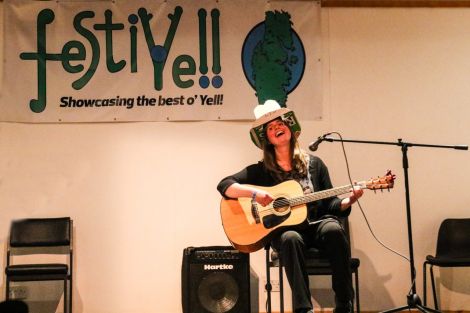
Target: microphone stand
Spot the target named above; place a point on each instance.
(413, 300)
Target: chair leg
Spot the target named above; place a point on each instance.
(71, 277)
(7, 289)
(268, 287)
(65, 295)
(358, 306)
(434, 288)
(71, 293)
(424, 284)
(281, 287)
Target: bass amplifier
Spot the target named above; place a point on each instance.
(215, 279)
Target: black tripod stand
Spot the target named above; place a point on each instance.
(413, 300)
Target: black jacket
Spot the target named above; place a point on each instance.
(256, 174)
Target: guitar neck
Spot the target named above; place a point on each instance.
(320, 195)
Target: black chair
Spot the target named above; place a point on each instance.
(316, 264)
(452, 250)
(41, 236)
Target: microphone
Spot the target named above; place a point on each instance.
(314, 145)
(461, 147)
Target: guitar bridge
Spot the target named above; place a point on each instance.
(254, 211)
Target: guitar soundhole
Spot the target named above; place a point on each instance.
(281, 212)
(281, 205)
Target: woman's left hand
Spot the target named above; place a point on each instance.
(356, 193)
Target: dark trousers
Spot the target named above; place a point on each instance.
(327, 235)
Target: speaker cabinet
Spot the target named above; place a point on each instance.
(215, 280)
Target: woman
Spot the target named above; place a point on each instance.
(275, 131)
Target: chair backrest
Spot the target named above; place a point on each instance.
(41, 232)
(454, 238)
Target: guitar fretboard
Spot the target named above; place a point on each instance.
(319, 195)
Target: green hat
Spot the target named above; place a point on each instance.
(267, 112)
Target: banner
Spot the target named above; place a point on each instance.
(156, 60)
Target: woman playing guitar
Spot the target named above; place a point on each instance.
(275, 131)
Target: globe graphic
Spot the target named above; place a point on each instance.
(297, 68)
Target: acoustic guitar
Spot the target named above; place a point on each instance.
(249, 226)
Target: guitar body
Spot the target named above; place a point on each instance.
(249, 227)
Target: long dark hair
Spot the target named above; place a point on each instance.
(298, 156)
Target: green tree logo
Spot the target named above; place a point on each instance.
(273, 58)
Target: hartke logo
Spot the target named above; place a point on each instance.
(273, 58)
(208, 267)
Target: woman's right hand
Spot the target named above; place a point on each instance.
(263, 198)
(237, 190)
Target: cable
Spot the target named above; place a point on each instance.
(364, 215)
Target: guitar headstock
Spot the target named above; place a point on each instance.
(384, 182)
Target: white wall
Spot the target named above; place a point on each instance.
(139, 193)
(403, 73)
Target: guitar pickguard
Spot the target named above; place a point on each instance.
(272, 220)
